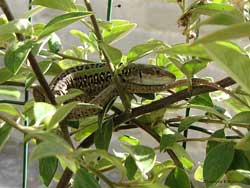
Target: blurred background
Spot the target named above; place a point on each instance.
(155, 19)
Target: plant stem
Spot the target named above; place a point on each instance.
(63, 56)
(15, 125)
(106, 57)
(100, 175)
(204, 139)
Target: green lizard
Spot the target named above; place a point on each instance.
(96, 82)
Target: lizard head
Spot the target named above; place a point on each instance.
(149, 75)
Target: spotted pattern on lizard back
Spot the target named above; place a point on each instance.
(93, 79)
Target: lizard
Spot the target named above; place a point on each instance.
(96, 82)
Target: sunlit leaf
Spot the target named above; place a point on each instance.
(10, 92)
(43, 110)
(8, 108)
(185, 49)
(66, 5)
(16, 26)
(16, 56)
(235, 63)
(61, 113)
(231, 32)
(142, 50)
(144, 157)
(119, 29)
(5, 131)
(62, 21)
(54, 43)
(182, 155)
(114, 54)
(129, 139)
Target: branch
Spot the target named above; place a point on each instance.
(107, 59)
(15, 125)
(167, 101)
(63, 56)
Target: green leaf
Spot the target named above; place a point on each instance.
(182, 155)
(129, 139)
(213, 8)
(178, 179)
(47, 169)
(222, 18)
(42, 111)
(209, 110)
(94, 156)
(61, 113)
(54, 43)
(119, 29)
(103, 135)
(85, 39)
(7, 108)
(83, 179)
(244, 143)
(239, 176)
(10, 92)
(62, 21)
(52, 145)
(16, 26)
(131, 167)
(193, 66)
(114, 54)
(72, 93)
(87, 126)
(202, 99)
(235, 63)
(5, 74)
(5, 131)
(9, 38)
(142, 50)
(32, 12)
(241, 118)
(217, 134)
(16, 56)
(217, 162)
(168, 139)
(198, 175)
(144, 157)
(187, 122)
(66, 5)
(240, 161)
(185, 49)
(234, 31)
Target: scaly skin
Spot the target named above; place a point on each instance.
(96, 82)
